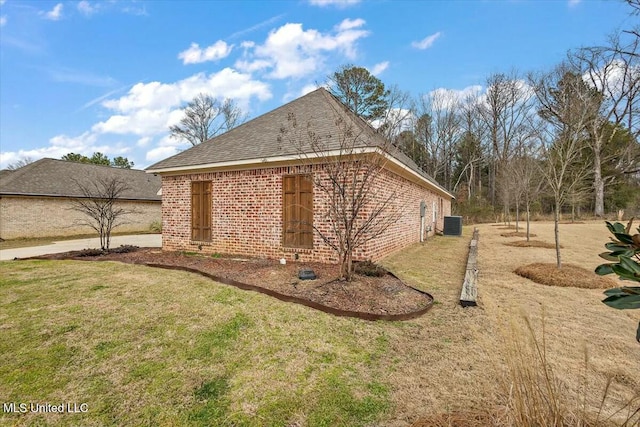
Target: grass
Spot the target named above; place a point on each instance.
(143, 346)
(568, 276)
(517, 234)
(155, 347)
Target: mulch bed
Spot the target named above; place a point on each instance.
(370, 298)
(569, 276)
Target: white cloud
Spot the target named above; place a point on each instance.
(150, 108)
(59, 145)
(308, 88)
(337, 3)
(444, 99)
(400, 119)
(573, 3)
(349, 24)
(143, 142)
(226, 83)
(196, 55)
(379, 68)
(2, 2)
(427, 42)
(3, 21)
(291, 51)
(86, 8)
(73, 143)
(54, 14)
(141, 122)
(613, 78)
(160, 153)
(167, 146)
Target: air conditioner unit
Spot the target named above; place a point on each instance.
(452, 226)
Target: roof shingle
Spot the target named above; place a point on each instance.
(57, 178)
(259, 139)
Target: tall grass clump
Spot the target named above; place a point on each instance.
(535, 396)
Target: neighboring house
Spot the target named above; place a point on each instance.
(36, 200)
(239, 192)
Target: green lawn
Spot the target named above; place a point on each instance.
(142, 346)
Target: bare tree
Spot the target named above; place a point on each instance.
(398, 115)
(506, 112)
(357, 209)
(205, 117)
(23, 161)
(567, 109)
(99, 203)
(470, 153)
(612, 76)
(437, 127)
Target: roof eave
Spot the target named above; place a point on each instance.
(15, 193)
(270, 161)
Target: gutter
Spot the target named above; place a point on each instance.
(245, 163)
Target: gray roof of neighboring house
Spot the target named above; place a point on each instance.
(58, 178)
(261, 137)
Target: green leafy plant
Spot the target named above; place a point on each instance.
(624, 252)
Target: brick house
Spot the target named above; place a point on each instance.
(36, 199)
(240, 192)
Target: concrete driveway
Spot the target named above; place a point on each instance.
(142, 240)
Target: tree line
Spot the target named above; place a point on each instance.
(563, 140)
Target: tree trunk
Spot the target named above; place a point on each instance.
(598, 184)
(517, 216)
(528, 219)
(346, 267)
(556, 233)
(492, 183)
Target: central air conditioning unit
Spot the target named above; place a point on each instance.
(452, 226)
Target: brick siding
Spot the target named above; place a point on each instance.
(247, 214)
(24, 217)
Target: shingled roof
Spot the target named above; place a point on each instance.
(258, 140)
(57, 178)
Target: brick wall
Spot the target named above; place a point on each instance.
(247, 214)
(22, 217)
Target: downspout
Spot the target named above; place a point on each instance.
(423, 208)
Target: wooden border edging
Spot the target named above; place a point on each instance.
(469, 293)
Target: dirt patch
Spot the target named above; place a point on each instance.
(532, 244)
(517, 234)
(371, 298)
(568, 276)
(571, 222)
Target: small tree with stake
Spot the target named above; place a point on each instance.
(99, 204)
(357, 210)
(624, 251)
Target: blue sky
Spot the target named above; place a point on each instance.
(110, 76)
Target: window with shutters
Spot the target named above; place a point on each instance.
(201, 211)
(297, 211)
